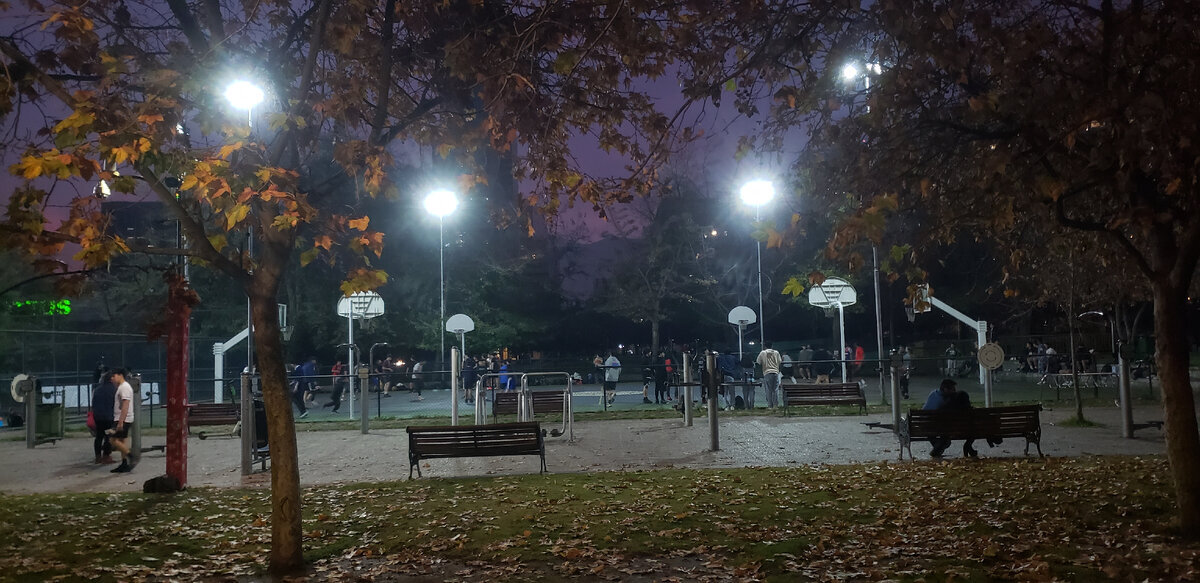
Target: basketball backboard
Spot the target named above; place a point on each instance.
(832, 293)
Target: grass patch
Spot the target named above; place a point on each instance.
(1084, 518)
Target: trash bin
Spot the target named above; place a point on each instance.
(50, 420)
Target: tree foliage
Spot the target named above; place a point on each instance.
(130, 92)
(1040, 128)
(661, 272)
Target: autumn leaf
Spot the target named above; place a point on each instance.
(235, 215)
(794, 287)
(359, 224)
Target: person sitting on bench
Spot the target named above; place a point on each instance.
(947, 397)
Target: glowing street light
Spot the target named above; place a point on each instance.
(757, 193)
(850, 72)
(244, 95)
(441, 203)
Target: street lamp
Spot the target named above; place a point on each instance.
(757, 193)
(245, 95)
(440, 203)
(851, 74)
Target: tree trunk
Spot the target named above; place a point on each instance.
(654, 338)
(1179, 406)
(286, 536)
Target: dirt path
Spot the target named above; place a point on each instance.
(349, 456)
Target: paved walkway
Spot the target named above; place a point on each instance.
(349, 456)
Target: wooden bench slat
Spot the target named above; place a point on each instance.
(200, 414)
(543, 402)
(448, 441)
(823, 394)
(978, 423)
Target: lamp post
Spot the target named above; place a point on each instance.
(851, 74)
(245, 95)
(440, 203)
(757, 193)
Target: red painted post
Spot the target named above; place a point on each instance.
(179, 308)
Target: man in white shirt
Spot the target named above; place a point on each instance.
(123, 419)
(769, 360)
(612, 373)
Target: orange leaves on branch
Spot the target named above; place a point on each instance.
(323, 241)
(359, 224)
(150, 119)
(228, 149)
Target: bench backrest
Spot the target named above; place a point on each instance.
(543, 402)
(1012, 421)
(822, 390)
(494, 439)
(213, 409)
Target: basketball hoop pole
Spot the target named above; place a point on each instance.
(842, 329)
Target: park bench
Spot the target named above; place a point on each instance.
(201, 414)
(505, 403)
(823, 394)
(982, 423)
(450, 441)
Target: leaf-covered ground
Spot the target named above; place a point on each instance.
(980, 520)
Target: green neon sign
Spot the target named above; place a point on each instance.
(43, 307)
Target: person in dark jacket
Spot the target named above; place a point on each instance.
(947, 397)
(102, 412)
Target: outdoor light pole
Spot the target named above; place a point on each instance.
(851, 74)
(757, 193)
(440, 203)
(245, 95)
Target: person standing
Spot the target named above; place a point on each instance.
(123, 419)
(612, 374)
(469, 377)
(905, 370)
(647, 376)
(806, 357)
(339, 385)
(102, 413)
(770, 360)
(662, 371)
(859, 356)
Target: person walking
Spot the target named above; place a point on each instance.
(304, 377)
(770, 360)
(418, 379)
(612, 374)
(123, 418)
(102, 414)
